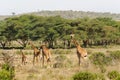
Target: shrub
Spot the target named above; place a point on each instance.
(88, 76)
(58, 65)
(118, 78)
(5, 66)
(115, 55)
(60, 58)
(9, 70)
(5, 75)
(113, 74)
(100, 59)
(84, 76)
(62, 61)
(99, 77)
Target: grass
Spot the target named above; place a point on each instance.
(69, 60)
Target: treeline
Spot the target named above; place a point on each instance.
(77, 14)
(55, 30)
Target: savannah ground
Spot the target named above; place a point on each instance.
(64, 65)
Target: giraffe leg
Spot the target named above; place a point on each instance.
(24, 60)
(43, 60)
(33, 60)
(78, 55)
(37, 59)
(47, 59)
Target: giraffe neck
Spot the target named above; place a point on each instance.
(22, 54)
(33, 46)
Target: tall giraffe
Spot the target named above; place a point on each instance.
(23, 57)
(81, 52)
(45, 53)
(36, 53)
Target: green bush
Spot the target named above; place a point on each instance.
(6, 67)
(84, 76)
(115, 55)
(88, 76)
(8, 71)
(100, 59)
(99, 77)
(118, 78)
(113, 74)
(5, 75)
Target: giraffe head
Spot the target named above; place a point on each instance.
(43, 47)
(29, 42)
(75, 42)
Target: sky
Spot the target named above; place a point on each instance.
(25, 6)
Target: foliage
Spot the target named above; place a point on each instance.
(87, 76)
(50, 29)
(7, 72)
(118, 78)
(113, 74)
(100, 59)
(115, 55)
(7, 67)
(5, 75)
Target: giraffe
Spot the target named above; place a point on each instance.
(36, 53)
(81, 52)
(23, 57)
(45, 53)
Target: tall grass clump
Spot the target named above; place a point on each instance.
(26, 53)
(62, 61)
(62, 51)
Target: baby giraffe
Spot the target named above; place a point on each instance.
(81, 52)
(23, 57)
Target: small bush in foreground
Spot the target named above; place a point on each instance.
(118, 78)
(113, 74)
(5, 75)
(87, 76)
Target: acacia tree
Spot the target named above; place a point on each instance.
(3, 38)
(23, 30)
